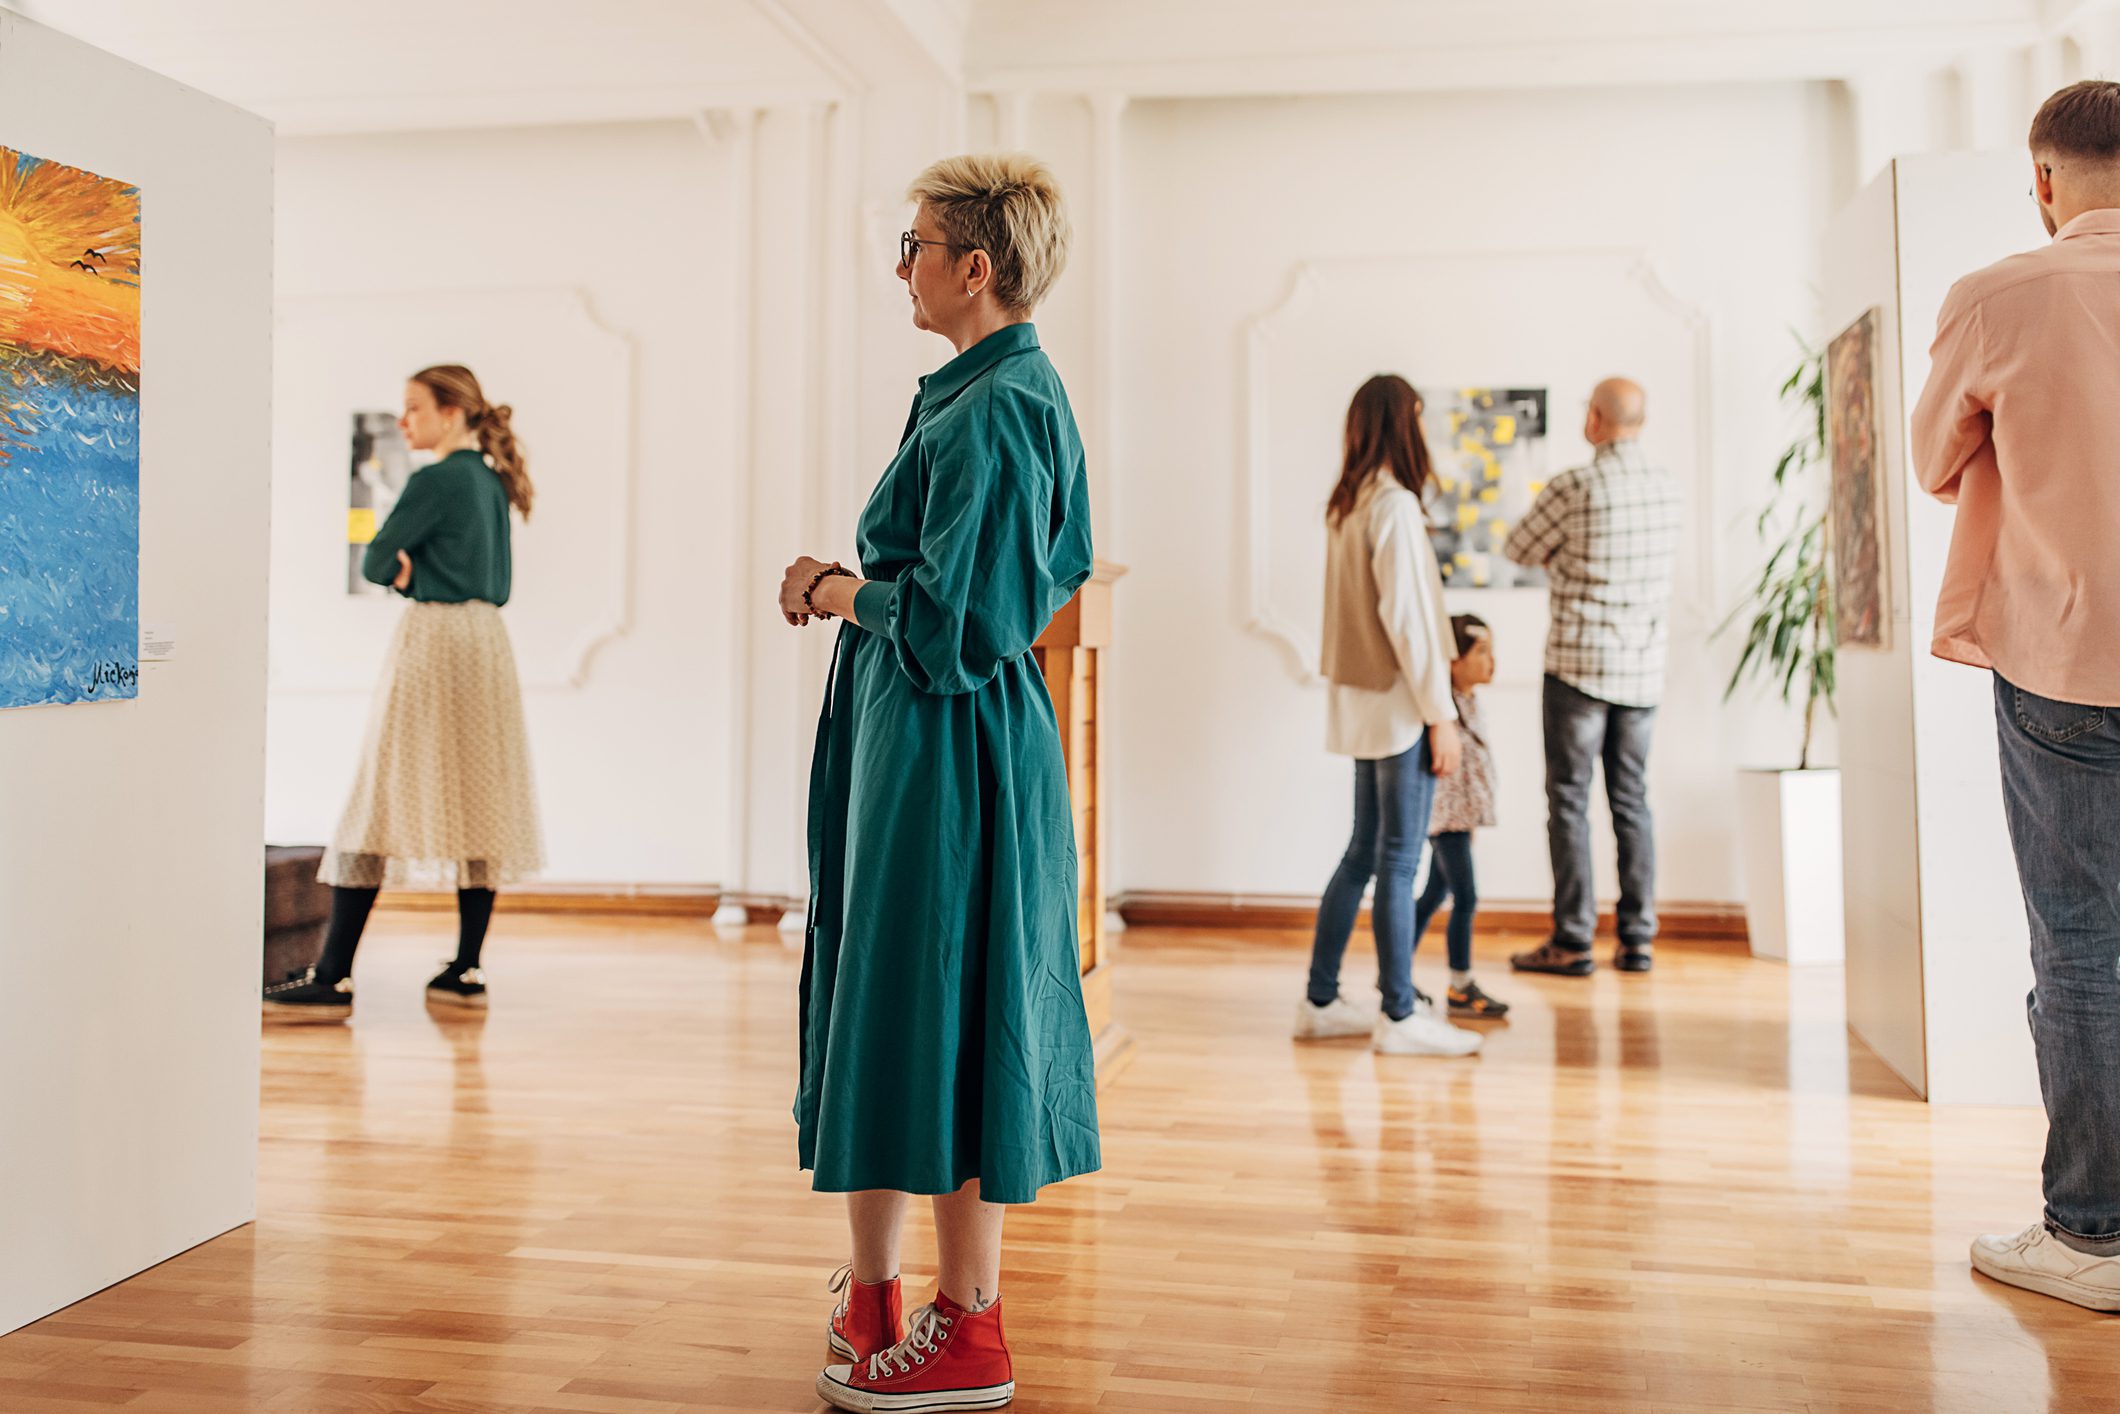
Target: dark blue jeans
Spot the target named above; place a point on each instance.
(1391, 802)
(1581, 731)
(1450, 877)
(2061, 791)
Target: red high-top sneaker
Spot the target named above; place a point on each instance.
(869, 1317)
(949, 1360)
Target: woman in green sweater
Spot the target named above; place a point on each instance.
(443, 792)
(944, 1047)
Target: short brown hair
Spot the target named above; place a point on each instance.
(2082, 120)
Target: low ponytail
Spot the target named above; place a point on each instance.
(496, 438)
(455, 386)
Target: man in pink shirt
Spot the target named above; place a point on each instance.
(2019, 427)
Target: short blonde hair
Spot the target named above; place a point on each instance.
(1009, 206)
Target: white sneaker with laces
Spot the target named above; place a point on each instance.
(1422, 1034)
(2038, 1261)
(1338, 1017)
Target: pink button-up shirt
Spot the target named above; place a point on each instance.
(2020, 428)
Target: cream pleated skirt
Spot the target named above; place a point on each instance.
(444, 795)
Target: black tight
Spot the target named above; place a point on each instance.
(349, 919)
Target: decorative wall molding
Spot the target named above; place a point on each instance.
(1562, 317)
(532, 345)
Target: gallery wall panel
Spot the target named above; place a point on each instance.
(130, 845)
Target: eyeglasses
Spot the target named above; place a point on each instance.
(909, 247)
(2046, 170)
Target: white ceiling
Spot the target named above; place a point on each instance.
(317, 66)
(354, 65)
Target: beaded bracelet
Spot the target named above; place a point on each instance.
(820, 577)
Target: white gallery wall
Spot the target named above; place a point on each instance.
(1937, 945)
(588, 275)
(1522, 239)
(131, 875)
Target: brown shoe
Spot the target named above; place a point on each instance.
(1552, 957)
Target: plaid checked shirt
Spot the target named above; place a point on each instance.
(1607, 534)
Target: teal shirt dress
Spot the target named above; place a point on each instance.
(943, 1033)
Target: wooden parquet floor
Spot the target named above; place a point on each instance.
(1686, 1191)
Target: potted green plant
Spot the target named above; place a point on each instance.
(1789, 818)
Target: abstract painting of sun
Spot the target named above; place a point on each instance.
(69, 434)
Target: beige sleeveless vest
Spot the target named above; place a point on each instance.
(1356, 652)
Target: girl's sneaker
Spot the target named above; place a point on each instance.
(1470, 1001)
(949, 1360)
(304, 998)
(458, 986)
(870, 1316)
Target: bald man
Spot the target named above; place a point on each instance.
(1605, 534)
(2019, 429)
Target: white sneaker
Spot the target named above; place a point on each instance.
(1422, 1034)
(1338, 1017)
(2038, 1261)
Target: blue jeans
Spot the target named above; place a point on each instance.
(2061, 792)
(1581, 731)
(1391, 802)
(1450, 877)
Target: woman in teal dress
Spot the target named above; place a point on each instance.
(945, 1051)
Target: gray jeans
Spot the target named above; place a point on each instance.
(1581, 731)
(2061, 791)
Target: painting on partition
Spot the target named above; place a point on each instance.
(1854, 434)
(1489, 448)
(69, 434)
(380, 466)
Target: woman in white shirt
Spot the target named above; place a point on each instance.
(1387, 655)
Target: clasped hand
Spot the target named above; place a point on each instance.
(795, 584)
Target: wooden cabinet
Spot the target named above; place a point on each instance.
(1071, 655)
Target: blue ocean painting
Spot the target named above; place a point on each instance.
(69, 435)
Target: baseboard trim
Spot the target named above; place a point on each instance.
(1151, 908)
(639, 900)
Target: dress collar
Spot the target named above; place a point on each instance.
(955, 376)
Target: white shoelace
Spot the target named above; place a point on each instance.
(928, 1326)
(839, 1284)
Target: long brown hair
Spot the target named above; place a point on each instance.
(455, 386)
(1383, 429)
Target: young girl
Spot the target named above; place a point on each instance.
(1464, 802)
(444, 786)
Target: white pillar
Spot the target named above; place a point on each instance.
(2097, 36)
(1012, 120)
(1105, 231)
(779, 270)
(1991, 88)
(2047, 70)
(1892, 111)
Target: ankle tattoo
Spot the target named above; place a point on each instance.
(980, 1300)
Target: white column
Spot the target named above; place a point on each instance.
(1012, 120)
(1991, 89)
(780, 265)
(1105, 228)
(1892, 112)
(2046, 66)
(2097, 36)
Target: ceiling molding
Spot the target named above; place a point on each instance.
(1515, 65)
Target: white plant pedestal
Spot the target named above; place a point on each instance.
(1789, 825)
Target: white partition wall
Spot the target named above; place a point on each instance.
(1937, 967)
(130, 864)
